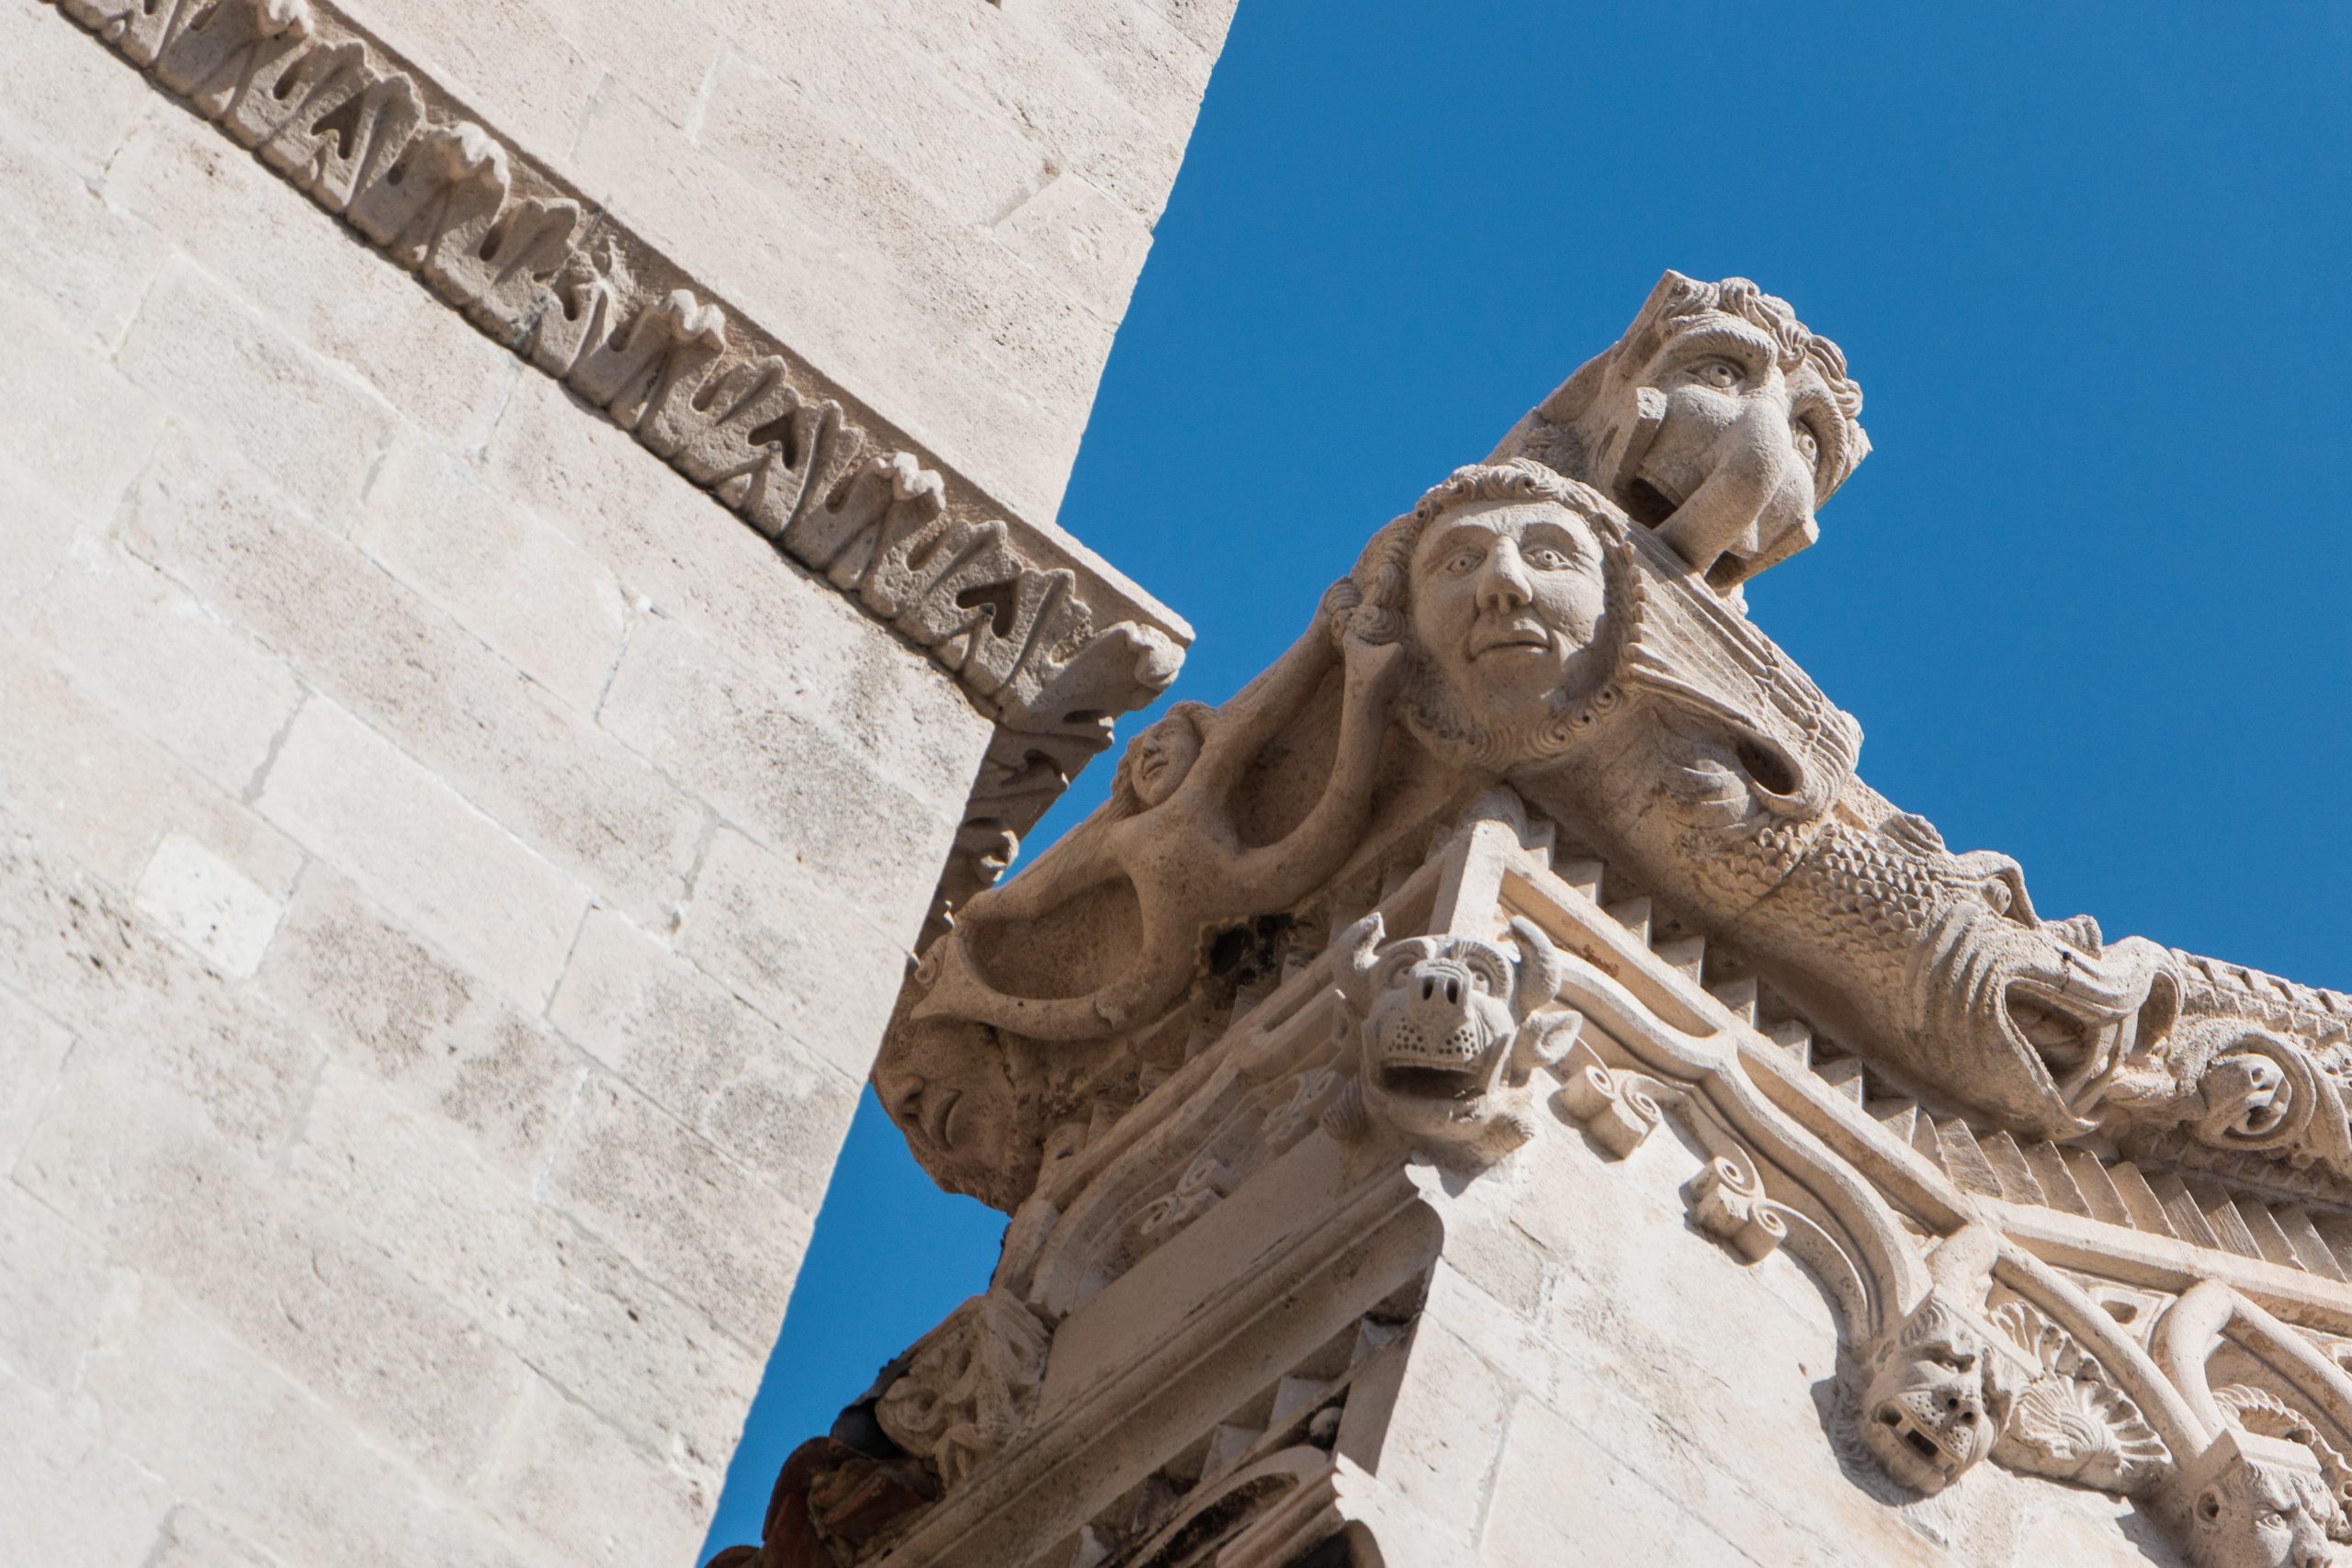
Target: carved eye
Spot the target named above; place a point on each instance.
(1546, 557)
(1720, 374)
(1463, 562)
(1807, 444)
(1998, 895)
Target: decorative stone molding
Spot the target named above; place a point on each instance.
(1529, 797)
(1042, 636)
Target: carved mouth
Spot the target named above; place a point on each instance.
(1424, 1081)
(1917, 1439)
(1647, 503)
(1522, 635)
(938, 1117)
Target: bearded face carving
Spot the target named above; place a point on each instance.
(1718, 420)
(1937, 1396)
(1445, 1042)
(1507, 599)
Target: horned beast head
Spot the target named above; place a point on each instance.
(1717, 420)
(1445, 1041)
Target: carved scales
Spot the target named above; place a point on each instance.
(1529, 899)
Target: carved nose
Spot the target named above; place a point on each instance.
(1441, 988)
(1503, 585)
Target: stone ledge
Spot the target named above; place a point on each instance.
(1041, 634)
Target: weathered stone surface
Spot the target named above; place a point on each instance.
(557, 1466)
(346, 794)
(682, 1211)
(67, 1494)
(772, 1100)
(219, 361)
(423, 1024)
(428, 685)
(514, 581)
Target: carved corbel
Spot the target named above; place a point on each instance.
(1727, 1201)
(1613, 1107)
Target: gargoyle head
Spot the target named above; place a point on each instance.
(2263, 1503)
(1441, 1025)
(1718, 420)
(1937, 1394)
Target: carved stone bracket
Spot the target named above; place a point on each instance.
(1043, 636)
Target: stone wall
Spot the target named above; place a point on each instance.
(454, 872)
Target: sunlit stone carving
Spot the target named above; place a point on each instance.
(1342, 1074)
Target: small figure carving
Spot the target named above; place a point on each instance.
(1718, 420)
(1446, 1036)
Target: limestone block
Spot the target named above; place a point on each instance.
(559, 1473)
(903, 303)
(153, 1027)
(105, 796)
(725, 1241)
(471, 50)
(786, 780)
(64, 242)
(315, 282)
(834, 99)
(44, 530)
(234, 1436)
(1534, 1514)
(585, 1317)
(1447, 1428)
(66, 1495)
(32, 1048)
(510, 578)
(193, 1539)
(141, 645)
(1080, 241)
(405, 836)
(693, 1047)
(207, 903)
(445, 1041)
(80, 104)
(502, 741)
(763, 927)
(66, 412)
(1022, 58)
(53, 1283)
(699, 566)
(220, 364)
(296, 1282)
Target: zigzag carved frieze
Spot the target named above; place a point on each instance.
(1043, 640)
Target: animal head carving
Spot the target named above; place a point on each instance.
(2262, 1502)
(1445, 1038)
(1937, 1394)
(1718, 420)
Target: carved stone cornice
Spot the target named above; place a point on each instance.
(1045, 638)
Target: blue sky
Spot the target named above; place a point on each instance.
(2088, 597)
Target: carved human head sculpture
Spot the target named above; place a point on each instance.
(1445, 1044)
(1158, 760)
(1509, 583)
(968, 1099)
(1717, 420)
(2261, 1502)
